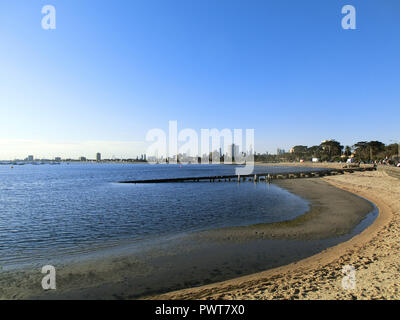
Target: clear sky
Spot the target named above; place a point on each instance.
(112, 70)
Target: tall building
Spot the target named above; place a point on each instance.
(233, 151)
(280, 151)
(98, 156)
(30, 158)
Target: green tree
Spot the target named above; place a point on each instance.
(361, 150)
(300, 152)
(331, 149)
(347, 151)
(376, 147)
(391, 150)
(314, 152)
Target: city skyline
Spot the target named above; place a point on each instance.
(230, 152)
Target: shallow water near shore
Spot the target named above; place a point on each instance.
(164, 255)
(182, 263)
(56, 212)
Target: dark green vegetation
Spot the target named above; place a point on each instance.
(332, 150)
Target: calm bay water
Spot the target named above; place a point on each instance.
(58, 210)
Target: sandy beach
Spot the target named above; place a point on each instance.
(373, 253)
(198, 265)
(205, 257)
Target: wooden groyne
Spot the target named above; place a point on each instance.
(267, 177)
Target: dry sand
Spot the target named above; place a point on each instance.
(374, 254)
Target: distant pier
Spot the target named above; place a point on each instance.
(259, 177)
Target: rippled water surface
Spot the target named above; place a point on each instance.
(64, 209)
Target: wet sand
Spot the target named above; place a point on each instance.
(333, 212)
(206, 257)
(374, 254)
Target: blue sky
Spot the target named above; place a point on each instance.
(112, 70)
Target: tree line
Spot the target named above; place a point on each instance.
(332, 150)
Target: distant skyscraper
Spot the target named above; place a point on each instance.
(98, 156)
(233, 152)
(280, 151)
(30, 158)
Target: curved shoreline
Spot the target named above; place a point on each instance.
(104, 280)
(319, 276)
(333, 212)
(203, 260)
